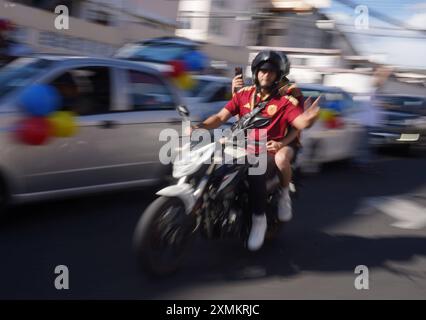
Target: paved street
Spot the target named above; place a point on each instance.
(344, 218)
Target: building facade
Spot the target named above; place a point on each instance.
(96, 27)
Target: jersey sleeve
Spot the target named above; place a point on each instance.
(233, 106)
(293, 111)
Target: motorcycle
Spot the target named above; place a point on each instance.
(210, 198)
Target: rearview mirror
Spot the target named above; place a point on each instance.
(183, 111)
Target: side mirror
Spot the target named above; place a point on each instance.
(183, 111)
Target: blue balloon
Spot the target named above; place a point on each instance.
(335, 105)
(195, 61)
(40, 99)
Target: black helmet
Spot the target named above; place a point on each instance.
(277, 59)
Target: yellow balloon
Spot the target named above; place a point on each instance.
(326, 115)
(63, 123)
(185, 81)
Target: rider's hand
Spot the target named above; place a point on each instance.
(191, 128)
(237, 82)
(274, 146)
(312, 111)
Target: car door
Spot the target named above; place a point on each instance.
(353, 132)
(150, 108)
(86, 158)
(338, 141)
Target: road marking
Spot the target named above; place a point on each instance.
(408, 213)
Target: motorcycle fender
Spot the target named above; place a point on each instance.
(182, 191)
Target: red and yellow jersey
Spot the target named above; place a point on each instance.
(283, 109)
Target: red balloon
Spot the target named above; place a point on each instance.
(34, 131)
(339, 122)
(6, 25)
(178, 68)
(334, 123)
(331, 123)
(3, 25)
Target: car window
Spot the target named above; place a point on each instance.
(20, 72)
(197, 89)
(222, 93)
(85, 91)
(338, 101)
(401, 103)
(148, 92)
(311, 93)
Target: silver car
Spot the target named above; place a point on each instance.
(209, 96)
(121, 105)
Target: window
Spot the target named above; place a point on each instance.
(221, 94)
(197, 89)
(98, 16)
(20, 72)
(220, 3)
(147, 92)
(48, 5)
(185, 19)
(275, 32)
(86, 91)
(215, 26)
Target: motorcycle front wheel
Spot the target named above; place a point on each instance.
(162, 236)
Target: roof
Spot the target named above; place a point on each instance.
(112, 61)
(393, 95)
(171, 40)
(213, 78)
(320, 87)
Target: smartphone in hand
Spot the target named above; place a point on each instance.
(238, 72)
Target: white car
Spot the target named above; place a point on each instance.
(327, 142)
(209, 96)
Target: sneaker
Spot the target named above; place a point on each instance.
(284, 206)
(257, 232)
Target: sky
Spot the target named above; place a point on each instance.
(389, 44)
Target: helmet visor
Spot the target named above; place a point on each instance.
(268, 66)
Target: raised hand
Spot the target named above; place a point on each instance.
(237, 82)
(312, 110)
(309, 116)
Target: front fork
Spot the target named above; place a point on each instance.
(191, 198)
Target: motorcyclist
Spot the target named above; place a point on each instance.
(291, 142)
(268, 69)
